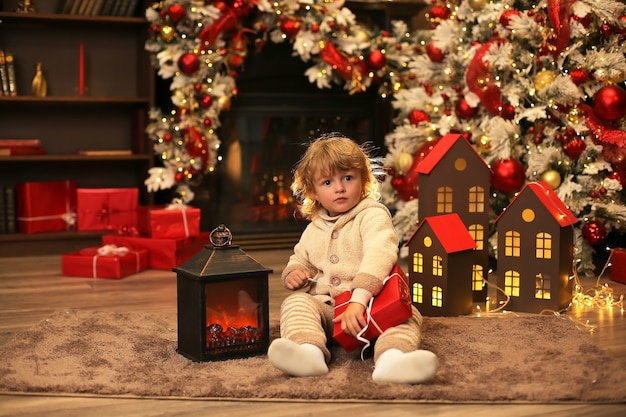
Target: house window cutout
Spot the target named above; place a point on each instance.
(437, 266)
(477, 278)
(543, 244)
(542, 287)
(477, 233)
(460, 164)
(418, 263)
(528, 215)
(511, 283)
(512, 243)
(418, 293)
(437, 297)
(444, 200)
(476, 200)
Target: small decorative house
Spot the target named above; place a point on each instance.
(454, 178)
(223, 302)
(536, 250)
(440, 266)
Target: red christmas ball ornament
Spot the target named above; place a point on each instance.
(464, 110)
(507, 175)
(435, 54)
(417, 116)
(609, 103)
(176, 12)
(507, 112)
(574, 148)
(376, 60)
(188, 63)
(207, 122)
(505, 18)
(167, 137)
(578, 76)
(290, 27)
(315, 27)
(206, 101)
(594, 232)
(439, 12)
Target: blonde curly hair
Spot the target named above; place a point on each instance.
(328, 154)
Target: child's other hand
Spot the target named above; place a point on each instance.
(297, 279)
(352, 319)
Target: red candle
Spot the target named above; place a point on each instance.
(81, 70)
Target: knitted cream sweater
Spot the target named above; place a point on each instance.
(354, 251)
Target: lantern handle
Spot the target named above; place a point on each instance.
(221, 236)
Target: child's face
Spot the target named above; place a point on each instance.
(339, 191)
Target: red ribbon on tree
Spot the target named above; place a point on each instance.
(559, 14)
(232, 11)
(613, 141)
(197, 146)
(342, 65)
(479, 81)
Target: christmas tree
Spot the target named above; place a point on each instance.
(538, 88)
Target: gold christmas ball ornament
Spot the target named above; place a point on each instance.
(167, 33)
(403, 162)
(552, 178)
(361, 36)
(477, 4)
(483, 145)
(573, 115)
(543, 79)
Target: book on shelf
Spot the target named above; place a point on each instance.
(10, 143)
(22, 150)
(105, 152)
(11, 74)
(118, 7)
(132, 8)
(67, 6)
(4, 76)
(107, 7)
(97, 8)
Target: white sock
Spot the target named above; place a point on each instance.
(415, 367)
(297, 360)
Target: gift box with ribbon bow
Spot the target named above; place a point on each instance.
(108, 261)
(47, 206)
(389, 308)
(176, 220)
(101, 209)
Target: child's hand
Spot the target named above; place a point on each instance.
(352, 319)
(297, 279)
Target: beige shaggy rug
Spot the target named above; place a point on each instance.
(495, 359)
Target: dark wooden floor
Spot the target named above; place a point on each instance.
(31, 288)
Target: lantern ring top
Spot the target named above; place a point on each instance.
(221, 236)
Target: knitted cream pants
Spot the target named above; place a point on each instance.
(306, 319)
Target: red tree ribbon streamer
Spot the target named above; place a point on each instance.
(197, 146)
(476, 78)
(559, 14)
(613, 141)
(227, 21)
(342, 65)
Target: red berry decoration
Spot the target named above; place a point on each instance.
(609, 103)
(578, 76)
(435, 54)
(206, 101)
(594, 232)
(507, 175)
(188, 63)
(574, 148)
(176, 12)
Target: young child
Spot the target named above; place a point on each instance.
(349, 244)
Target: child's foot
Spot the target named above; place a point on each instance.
(297, 360)
(415, 367)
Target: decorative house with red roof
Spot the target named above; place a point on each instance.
(536, 250)
(440, 266)
(454, 178)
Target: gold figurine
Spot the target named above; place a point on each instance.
(39, 86)
(26, 7)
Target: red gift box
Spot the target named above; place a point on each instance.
(45, 206)
(618, 265)
(104, 262)
(171, 221)
(106, 208)
(162, 253)
(389, 308)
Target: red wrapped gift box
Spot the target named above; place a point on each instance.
(45, 206)
(104, 262)
(389, 308)
(162, 253)
(106, 208)
(171, 221)
(618, 265)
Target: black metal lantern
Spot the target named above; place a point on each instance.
(223, 303)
